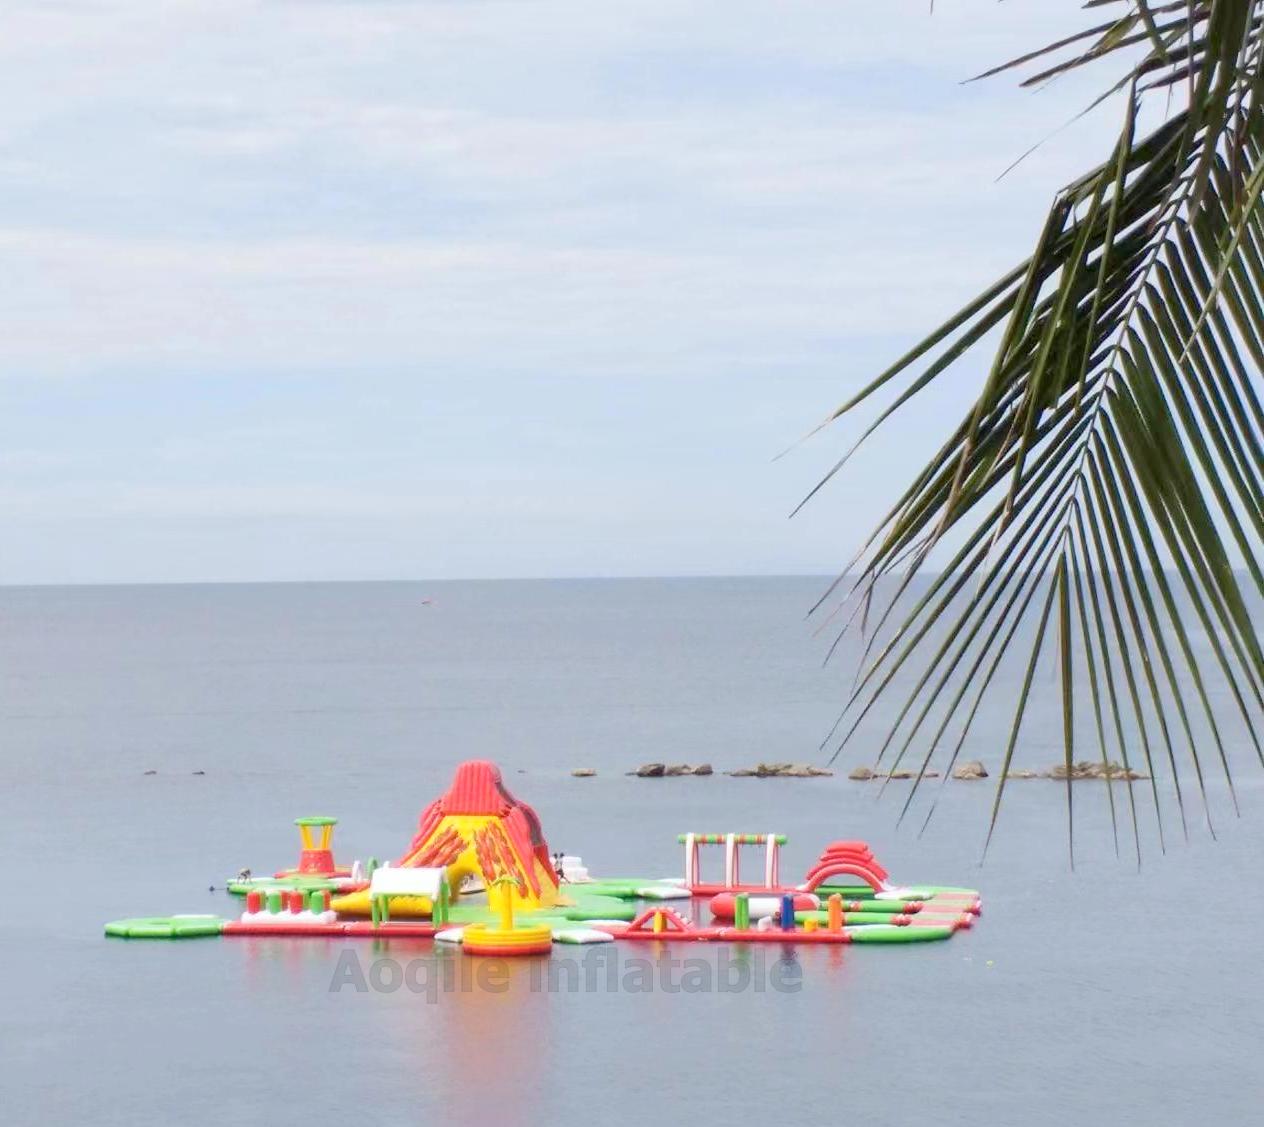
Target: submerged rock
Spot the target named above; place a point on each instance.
(970, 769)
(781, 771)
(864, 774)
(1087, 770)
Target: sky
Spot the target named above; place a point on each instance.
(394, 289)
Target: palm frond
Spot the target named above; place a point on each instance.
(1110, 471)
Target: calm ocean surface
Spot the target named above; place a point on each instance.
(1099, 996)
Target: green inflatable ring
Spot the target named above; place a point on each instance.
(166, 927)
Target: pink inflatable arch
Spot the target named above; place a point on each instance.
(846, 858)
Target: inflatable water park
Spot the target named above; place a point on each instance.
(479, 873)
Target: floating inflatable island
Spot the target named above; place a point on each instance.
(479, 873)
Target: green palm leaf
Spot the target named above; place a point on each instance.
(1110, 472)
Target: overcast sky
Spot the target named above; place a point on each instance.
(306, 289)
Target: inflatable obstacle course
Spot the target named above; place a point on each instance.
(478, 872)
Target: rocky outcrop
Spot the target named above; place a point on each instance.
(650, 771)
(974, 769)
(781, 771)
(583, 772)
(670, 770)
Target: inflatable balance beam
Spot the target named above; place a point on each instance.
(197, 927)
(872, 933)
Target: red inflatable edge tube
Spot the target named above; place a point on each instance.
(363, 928)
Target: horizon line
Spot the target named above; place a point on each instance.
(13, 586)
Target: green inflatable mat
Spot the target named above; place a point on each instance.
(586, 907)
(918, 892)
(627, 888)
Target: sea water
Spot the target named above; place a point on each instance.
(1099, 995)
